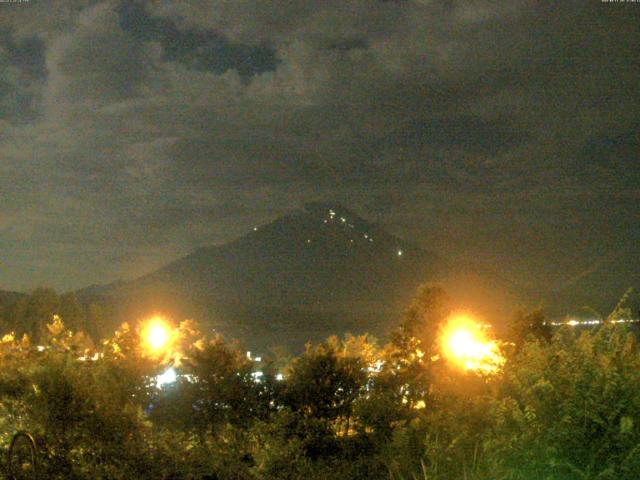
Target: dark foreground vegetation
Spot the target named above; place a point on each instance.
(565, 405)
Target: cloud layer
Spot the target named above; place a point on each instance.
(135, 131)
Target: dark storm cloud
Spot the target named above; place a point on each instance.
(489, 136)
(21, 71)
(98, 61)
(27, 53)
(199, 49)
(482, 130)
(612, 157)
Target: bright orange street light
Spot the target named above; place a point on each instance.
(465, 344)
(156, 335)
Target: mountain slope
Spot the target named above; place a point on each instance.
(9, 297)
(302, 277)
(319, 256)
(8, 300)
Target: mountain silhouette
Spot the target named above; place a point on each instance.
(319, 271)
(8, 297)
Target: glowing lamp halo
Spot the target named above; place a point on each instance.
(465, 345)
(156, 335)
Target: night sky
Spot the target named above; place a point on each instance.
(499, 132)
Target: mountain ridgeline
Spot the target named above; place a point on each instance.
(320, 271)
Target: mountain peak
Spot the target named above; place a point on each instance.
(320, 270)
(329, 209)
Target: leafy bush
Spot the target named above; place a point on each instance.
(563, 407)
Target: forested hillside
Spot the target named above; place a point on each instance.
(319, 271)
(446, 399)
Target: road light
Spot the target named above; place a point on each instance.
(156, 335)
(168, 377)
(465, 344)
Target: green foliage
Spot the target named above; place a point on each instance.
(31, 313)
(221, 391)
(527, 325)
(325, 381)
(564, 407)
(429, 308)
(570, 408)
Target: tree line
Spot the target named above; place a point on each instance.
(565, 405)
(29, 314)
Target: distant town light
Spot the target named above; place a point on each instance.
(593, 321)
(96, 356)
(376, 367)
(166, 378)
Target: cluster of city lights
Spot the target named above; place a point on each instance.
(588, 322)
(156, 336)
(463, 342)
(344, 220)
(332, 216)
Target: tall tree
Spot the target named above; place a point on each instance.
(72, 312)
